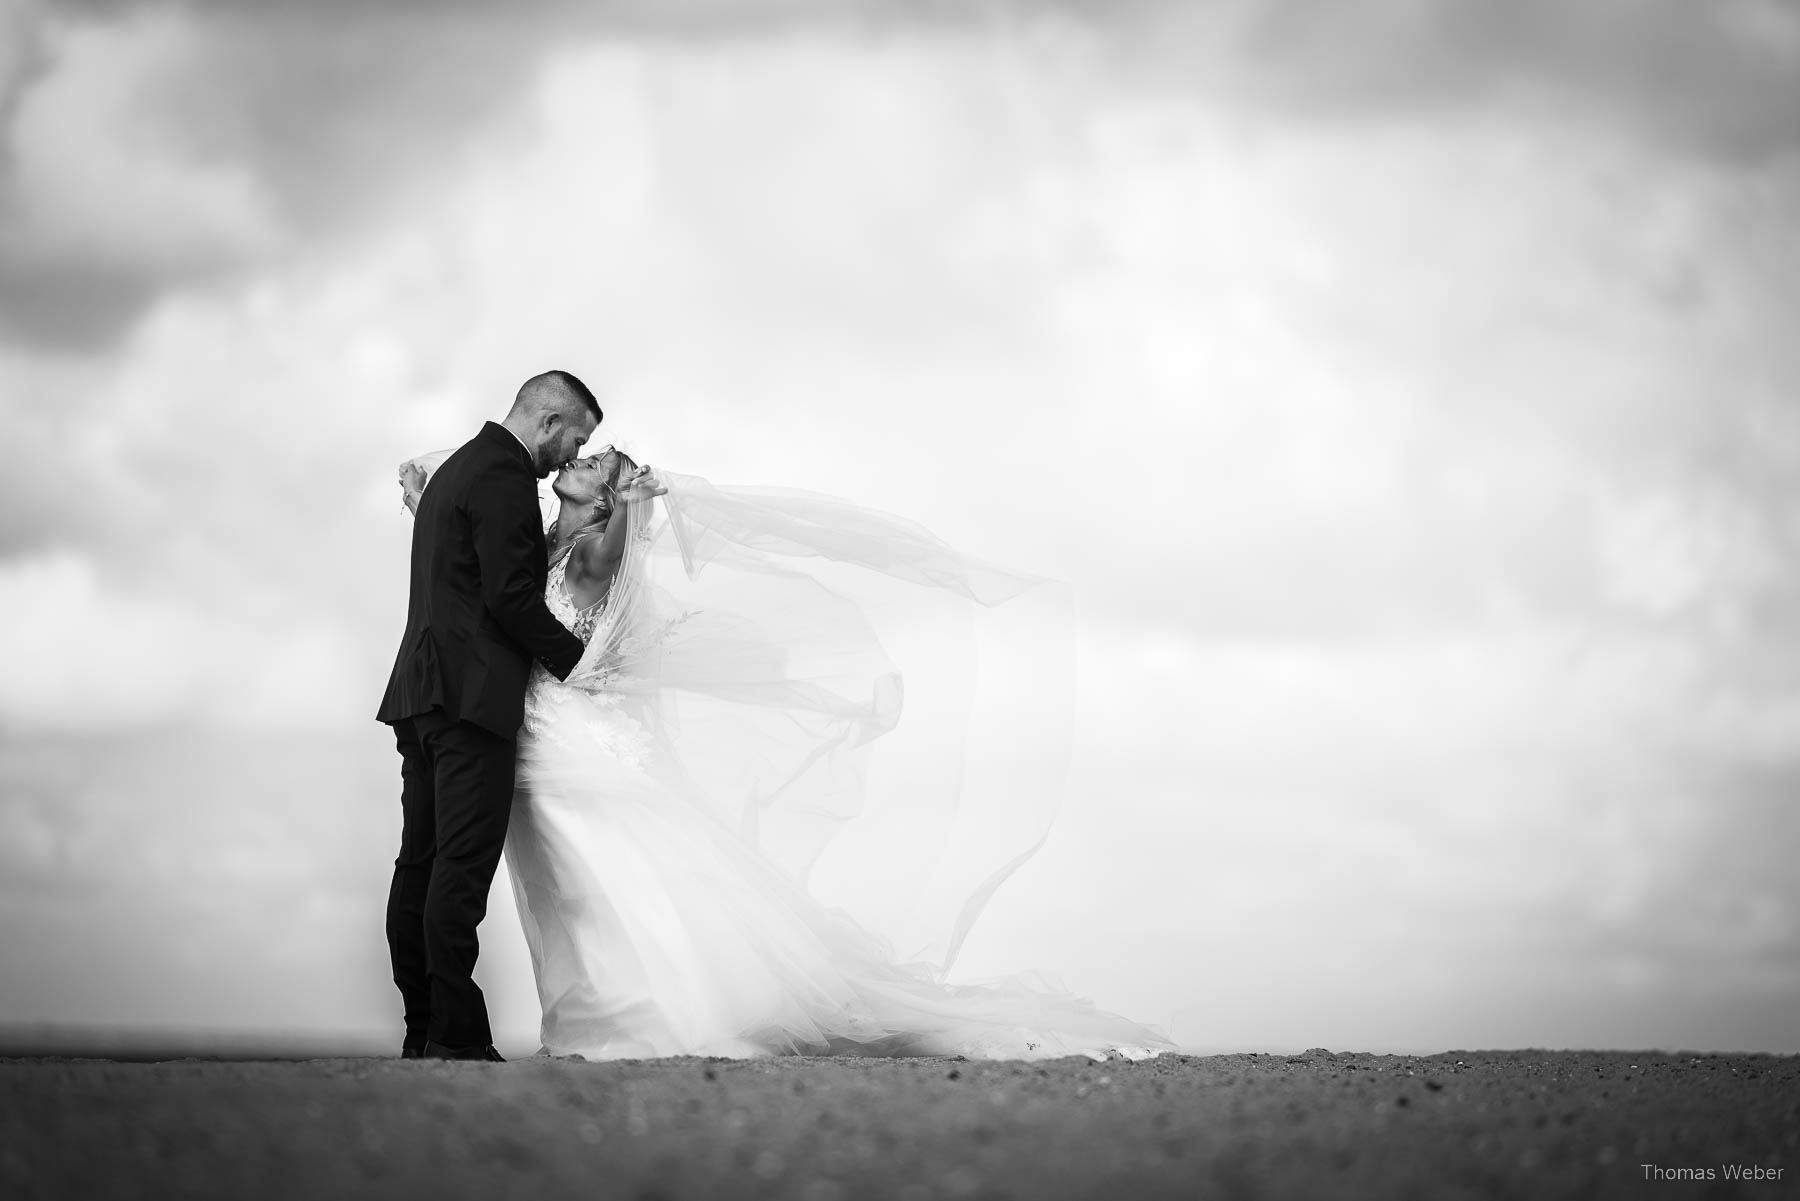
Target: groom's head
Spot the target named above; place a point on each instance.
(553, 414)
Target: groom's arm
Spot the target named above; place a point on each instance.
(503, 520)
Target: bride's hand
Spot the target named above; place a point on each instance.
(643, 485)
(412, 484)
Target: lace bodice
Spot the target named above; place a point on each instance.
(590, 714)
(580, 622)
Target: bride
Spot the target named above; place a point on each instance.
(676, 790)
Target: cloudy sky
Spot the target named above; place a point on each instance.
(1407, 390)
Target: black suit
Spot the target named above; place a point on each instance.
(475, 622)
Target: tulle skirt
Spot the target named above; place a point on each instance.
(656, 930)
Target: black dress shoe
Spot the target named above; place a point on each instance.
(412, 1052)
(485, 1054)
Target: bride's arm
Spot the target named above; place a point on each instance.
(594, 562)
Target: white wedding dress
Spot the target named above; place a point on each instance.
(675, 792)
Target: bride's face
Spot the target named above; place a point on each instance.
(585, 481)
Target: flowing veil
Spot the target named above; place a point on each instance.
(884, 718)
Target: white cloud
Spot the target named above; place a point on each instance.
(80, 652)
(298, 677)
(98, 176)
(85, 650)
(97, 180)
(1489, 814)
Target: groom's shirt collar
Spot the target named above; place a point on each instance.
(529, 457)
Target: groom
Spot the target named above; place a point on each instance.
(475, 622)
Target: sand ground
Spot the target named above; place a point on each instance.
(1465, 1124)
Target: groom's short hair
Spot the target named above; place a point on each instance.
(533, 389)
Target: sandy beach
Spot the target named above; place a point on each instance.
(1461, 1124)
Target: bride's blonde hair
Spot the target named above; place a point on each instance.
(622, 465)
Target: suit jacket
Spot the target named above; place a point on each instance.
(475, 618)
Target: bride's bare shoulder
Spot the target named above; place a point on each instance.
(589, 572)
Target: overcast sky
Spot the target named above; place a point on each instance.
(1408, 391)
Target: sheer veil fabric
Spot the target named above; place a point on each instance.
(807, 743)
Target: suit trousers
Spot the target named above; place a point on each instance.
(455, 798)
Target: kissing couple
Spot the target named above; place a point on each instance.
(658, 709)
